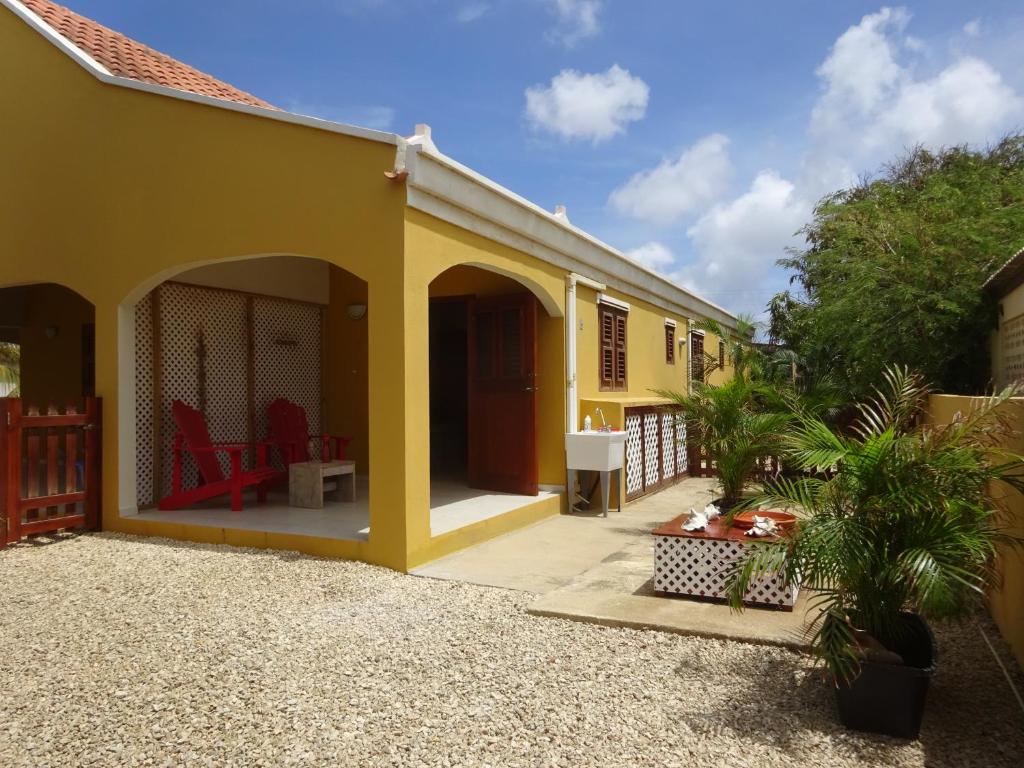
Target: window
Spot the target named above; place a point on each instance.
(721, 354)
(696, 356)
(612, 362)
(670, 344)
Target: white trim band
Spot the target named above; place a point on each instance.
(603, 298)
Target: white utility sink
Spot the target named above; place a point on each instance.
(595, 451)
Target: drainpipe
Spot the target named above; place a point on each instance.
(572, 404)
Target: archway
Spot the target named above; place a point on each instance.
(229, 339)
(47, 333)
(495, 372)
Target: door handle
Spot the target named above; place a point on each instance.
(530, 389)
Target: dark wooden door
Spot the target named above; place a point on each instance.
(503, 394)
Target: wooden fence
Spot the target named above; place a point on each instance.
(49, 469)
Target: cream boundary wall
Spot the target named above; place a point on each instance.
(151, 182)
(1006, 603)
(1011, 307)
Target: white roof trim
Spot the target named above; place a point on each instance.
(100, 72)
(612, 302)
(450, 191)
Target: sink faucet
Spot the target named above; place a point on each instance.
(604, 424)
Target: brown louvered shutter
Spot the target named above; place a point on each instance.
(612, 361)
(620, 350)
(670, 344)
(606, 362)
(696, 357)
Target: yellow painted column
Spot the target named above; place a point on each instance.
(106, 320)
(392, 395)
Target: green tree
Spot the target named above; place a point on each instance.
(893, 269)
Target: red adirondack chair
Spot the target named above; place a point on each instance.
(194, 437)
(289, 431)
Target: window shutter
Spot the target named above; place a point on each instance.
(721, 354)
(696, 357)
(612, 341)
(670, 344)
(607, 343)
(620, 350)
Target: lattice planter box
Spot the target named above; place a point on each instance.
(696, 563)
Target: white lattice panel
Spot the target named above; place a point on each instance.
(698, 568)
(668, 443)
(287, 347)
(203, 335)
(681, 458)
(634, 455)
(652, 472)
(144, 491)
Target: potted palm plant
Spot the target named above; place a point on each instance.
(895, 524)
(728, 423)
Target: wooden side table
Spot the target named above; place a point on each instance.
(306, 482)
(695, 564)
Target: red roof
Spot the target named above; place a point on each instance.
(124, 57)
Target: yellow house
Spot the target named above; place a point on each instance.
(167, 237)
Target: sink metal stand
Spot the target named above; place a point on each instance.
(606, 482)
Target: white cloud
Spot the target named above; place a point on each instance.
(375, 116)
(471, 12)
(588, 106)
(972, 28)
(653, 255)
(678, 186)
(577, 20)
(737, 242)
(874, 103)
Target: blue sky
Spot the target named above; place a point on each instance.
(695, 135)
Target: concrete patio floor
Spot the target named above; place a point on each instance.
(598, 570)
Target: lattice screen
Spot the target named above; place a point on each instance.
(698, 567)
(286, 345)
(144, 402)
(634, 456)
(204, 342)
(655, 448)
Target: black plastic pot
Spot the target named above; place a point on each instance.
(889, 698)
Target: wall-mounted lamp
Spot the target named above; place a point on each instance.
(355, 311)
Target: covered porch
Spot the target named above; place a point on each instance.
(453, 505)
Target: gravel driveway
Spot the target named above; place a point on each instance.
(121, 651)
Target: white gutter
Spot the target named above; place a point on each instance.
(572, 403)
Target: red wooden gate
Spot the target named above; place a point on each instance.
(49, 469)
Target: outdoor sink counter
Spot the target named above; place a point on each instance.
(694, 563)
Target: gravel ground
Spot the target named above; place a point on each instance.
(123, 651)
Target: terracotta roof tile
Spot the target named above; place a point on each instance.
(125, 57)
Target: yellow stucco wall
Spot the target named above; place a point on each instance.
(1007, 602)
(432, 248)
(346, 360)
(646, 366)
(51, 366)
(108, 190)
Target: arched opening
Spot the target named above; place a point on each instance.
(47, 346)
(257, 351)
(495, 372)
